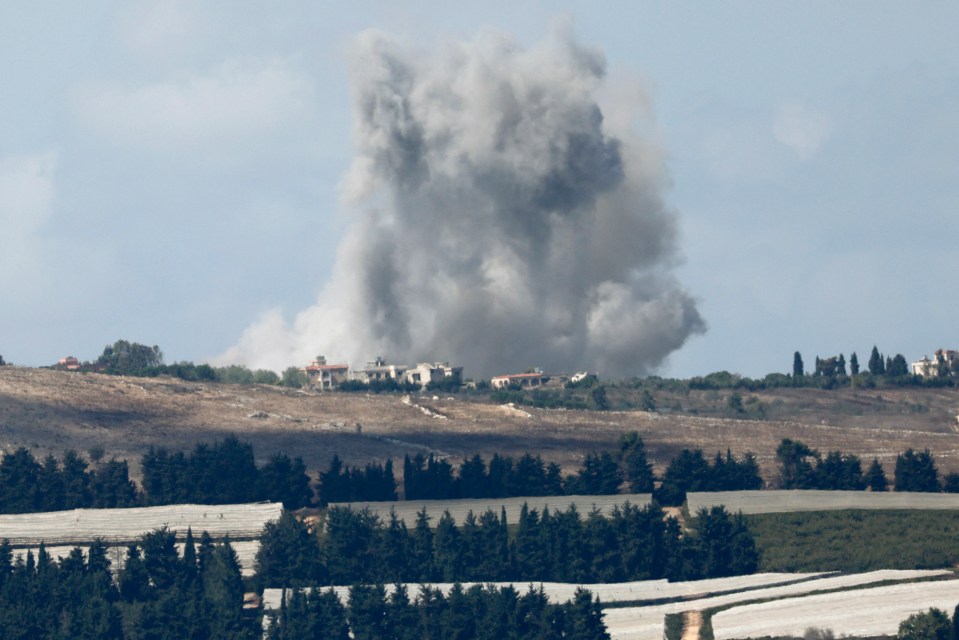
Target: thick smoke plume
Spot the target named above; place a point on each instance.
(502, 223)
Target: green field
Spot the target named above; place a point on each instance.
(856, 540)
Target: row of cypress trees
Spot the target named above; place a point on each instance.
(564, 546)
(221, 473)
(802, 467)
(479, 612)
(157, 595)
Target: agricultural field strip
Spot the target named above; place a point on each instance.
(647, 623)
(865, 612)
(407, 510)
(763, 501)
(82, 526)
(245, 553)
(618, 592)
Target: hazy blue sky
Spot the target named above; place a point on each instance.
(170, 171)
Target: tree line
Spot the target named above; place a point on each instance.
(221, 473)
(602, 473)
(481, 612)
(225, 472)
(158, 594)
(802, 467)
(434, 478)
(632, 543)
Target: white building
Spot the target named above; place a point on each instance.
(524, 380)
(378, 371)
(426, 372)
(943, 358)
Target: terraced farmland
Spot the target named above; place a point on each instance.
(768, 501)
(645, 590)
(61, 531)
(648, 622)
(861, 613)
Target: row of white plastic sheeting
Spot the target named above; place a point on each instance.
(245, 553)
(82, 526)
(407, 510)
(861, 613)
(647, 623)
(753, 502)
(645, 590)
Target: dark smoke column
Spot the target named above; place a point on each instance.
(501, 224)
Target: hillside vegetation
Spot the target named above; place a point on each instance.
(53, 411)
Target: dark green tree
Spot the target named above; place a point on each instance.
(111, 486)
(933, 624)
(223, 593)
(599, 475)
(689, 471)
(797, 365)
(126, 358)
(735, 403)
(877, 365)
(76, 481)
(634, 464)
(839, 471)
(876, 477)
(598, 395)
(19, 490)
(898, 366)
(647, 402)
(796, 470)
(447, 549)
(289, 554)
(854, 364)
(472, 481)
(368, 612)
(293, 377)
(916, 472)
(284, 480)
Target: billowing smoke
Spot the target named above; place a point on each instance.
(502, 222)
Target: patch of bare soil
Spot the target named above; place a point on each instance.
(692, 624)
(51, 411)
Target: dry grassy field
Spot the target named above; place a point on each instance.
(52, 411)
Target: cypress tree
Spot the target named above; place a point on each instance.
(447, 549)
(876, 477)
(223, 593)
(632, 459)
(877, 366)
(472, 480)
(368, 612)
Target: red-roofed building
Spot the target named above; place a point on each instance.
(325, 377)
(69, 362)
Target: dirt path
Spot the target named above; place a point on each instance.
(692, 623)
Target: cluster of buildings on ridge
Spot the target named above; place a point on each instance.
(945, 362)
(323, 376)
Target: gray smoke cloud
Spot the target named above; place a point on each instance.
(502, 221)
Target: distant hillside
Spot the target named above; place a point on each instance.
(52, 411)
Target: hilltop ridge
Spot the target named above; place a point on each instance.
(51, 411)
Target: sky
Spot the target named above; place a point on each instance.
(173, 173)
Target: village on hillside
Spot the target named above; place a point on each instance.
(322, 376)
